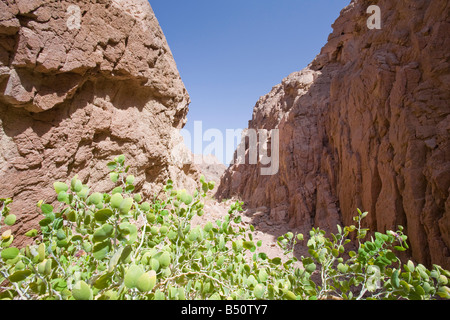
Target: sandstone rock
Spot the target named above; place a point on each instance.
(210, 167)
(366, 125)
(82, 82)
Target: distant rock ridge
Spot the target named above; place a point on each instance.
(210, 166)
(366, 125)
(80, 83)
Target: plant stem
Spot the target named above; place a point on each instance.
(142, 237)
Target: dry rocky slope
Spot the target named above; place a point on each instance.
(366, 125)
(73, 96)
(210, 167)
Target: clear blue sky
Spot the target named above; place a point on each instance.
(229, 53)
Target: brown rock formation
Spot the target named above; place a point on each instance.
(82, 82)
(365, 125)
(210, 167)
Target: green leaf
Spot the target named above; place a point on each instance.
(443, 292)
(60, 186)
(145, 206)
(101, 250)
(335, 252)
(249, 245)
(405, 286)
(10, 219)
(181, 294)
(128, 232)
(395, 279)
(60, 234)
(9, 253)
(41, 252)
(184, 197)
(115, 260)
(103, 281)
(77, 186)
(6, 242)
(19, 275)
(342, 267)
(114, 176)
(46, 208)
(126, 205)
(82, 291)
(126, 253)
(45, 266)
(164, 259)
(117, 190)
(208, 226)
(132, 275)
(72, 216)
(137, 197)
(262, 275)
(112, 165)
(63, 197)
(154, 264)
(289, 295)
(95, 198)
(83, 193)
(419, 290)
(276, 260)
(409, 266)
(442, 280)
(31, 233)
(130, 179)
(116, 200)
(310, 267)
(102, 233)
(259, 291)
(369, 246)
(121, 159)
(103, 214)
(147, 281)
(391, 256)
(215, 296)
(159, 295)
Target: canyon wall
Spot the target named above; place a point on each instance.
(366, 125)
(80, 83)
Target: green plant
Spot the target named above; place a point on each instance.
(8, 219)
(372, 271)
(117, 246)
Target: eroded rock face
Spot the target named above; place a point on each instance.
(82, 82)
(366, 125)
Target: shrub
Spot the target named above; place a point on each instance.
(110, 246)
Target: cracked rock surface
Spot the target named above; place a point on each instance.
(366, 125)
(82, 82)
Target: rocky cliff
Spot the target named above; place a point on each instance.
(82, 82)
(366, 125)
